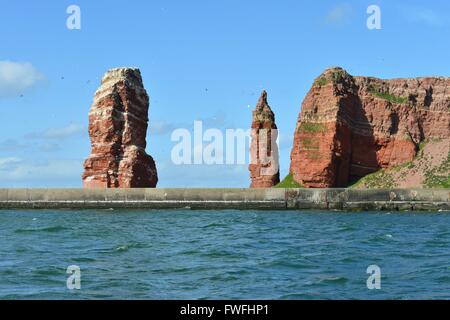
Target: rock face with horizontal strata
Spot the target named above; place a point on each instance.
(352, 126)
(264, 166)
(118, 122)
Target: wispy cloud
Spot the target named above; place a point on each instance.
(339, 14)
(17, 78)
(422, 15)
(49, 147)
(218, 120)
(161, 127)
(24, 172)
(71, 130)
(11, 145)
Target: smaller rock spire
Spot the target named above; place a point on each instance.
(262, 100)
(264, 165)
(263, 105)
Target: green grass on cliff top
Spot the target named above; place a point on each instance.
(289, 183)
(334, 77)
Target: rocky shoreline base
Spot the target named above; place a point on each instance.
(240, 199)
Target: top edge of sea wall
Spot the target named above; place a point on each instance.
(227, 198)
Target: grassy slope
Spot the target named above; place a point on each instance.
(436, 176)
(288, 182)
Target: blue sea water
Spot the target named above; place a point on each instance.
(184, 254)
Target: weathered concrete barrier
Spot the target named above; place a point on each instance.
(368, 199)
(270, 199)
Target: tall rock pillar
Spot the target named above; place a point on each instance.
(118, 122)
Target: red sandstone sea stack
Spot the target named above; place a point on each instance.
(352, 126)
(118, 122)
(264, 166)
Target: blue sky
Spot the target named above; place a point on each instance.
(199, 59)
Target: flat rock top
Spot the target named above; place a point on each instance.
(333, 70)
(122, 74)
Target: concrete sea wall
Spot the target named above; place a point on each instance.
(264, 199)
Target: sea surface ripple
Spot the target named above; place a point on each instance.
(184, 254)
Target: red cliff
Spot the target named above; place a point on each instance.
(352, 126)
(118, 122)
(264, 166)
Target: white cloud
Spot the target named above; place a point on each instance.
(339, 14)
(16, 78)
(7, 163)
(71, 130)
